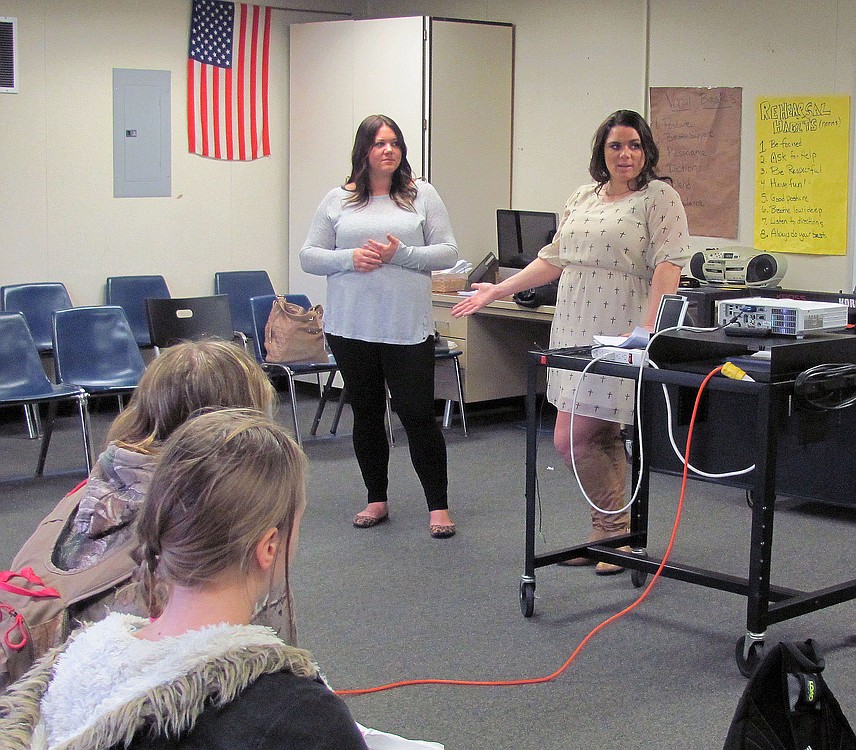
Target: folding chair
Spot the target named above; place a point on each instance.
(130, 293)
(260, 308)
(188, 318)
(95, 349)
(241, 287)
(23, 382)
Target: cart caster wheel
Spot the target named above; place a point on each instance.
(748, 655)
(527, 598)
(638, 578)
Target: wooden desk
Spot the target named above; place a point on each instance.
(494, 342)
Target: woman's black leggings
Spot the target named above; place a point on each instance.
(408, 371)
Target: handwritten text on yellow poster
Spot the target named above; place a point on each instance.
(801, 162)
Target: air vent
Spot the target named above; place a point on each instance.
(8, 56)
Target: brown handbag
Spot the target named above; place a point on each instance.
(295, 334)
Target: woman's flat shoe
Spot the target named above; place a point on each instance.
(610, 569)
(442, 530)
(362, 521)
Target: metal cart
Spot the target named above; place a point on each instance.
(770, 402)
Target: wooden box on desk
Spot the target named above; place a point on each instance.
(444, 283)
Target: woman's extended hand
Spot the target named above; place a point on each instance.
(384, 251)
(485, 294)
(366, 260)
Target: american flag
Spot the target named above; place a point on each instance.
(227, 80)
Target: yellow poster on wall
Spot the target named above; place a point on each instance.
(801, 163)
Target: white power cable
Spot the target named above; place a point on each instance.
(644, 360)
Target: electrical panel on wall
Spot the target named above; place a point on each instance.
(141, 134)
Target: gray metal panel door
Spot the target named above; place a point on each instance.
(141, 133)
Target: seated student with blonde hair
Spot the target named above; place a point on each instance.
(83, 548)
(219, 530)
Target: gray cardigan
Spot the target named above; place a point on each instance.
(391, 304)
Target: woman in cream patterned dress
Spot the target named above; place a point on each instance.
(621, 244)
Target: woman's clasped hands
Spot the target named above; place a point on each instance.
(374, 254)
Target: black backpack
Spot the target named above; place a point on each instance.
(788, 706)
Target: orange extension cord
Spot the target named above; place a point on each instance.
(598, 628)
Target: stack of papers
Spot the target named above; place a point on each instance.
(636, 340)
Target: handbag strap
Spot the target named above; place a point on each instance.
(17, 626)
(29, 575)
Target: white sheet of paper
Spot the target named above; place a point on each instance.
(636, 340)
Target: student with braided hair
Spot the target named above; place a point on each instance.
(218, 531)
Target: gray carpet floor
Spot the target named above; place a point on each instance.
(387, 604)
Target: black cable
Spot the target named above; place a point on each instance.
(828, 386)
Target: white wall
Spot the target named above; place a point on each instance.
(58, 218)
(574, 63)
(578, 61)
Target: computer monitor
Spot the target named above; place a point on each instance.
(521, 234)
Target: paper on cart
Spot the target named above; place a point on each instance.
(636, 340)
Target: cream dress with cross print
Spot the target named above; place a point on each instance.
(608, 252)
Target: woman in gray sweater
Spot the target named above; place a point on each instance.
(377, 239)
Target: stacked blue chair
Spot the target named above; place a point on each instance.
(130, 293)
(37, 301)
(23, 382)
(241, 287)
(95, 350)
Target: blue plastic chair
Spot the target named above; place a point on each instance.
(38, 302)
(23, 382)
(241, 287)
(260, 308)
(130, 293)
(95, 349)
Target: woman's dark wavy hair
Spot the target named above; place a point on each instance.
(630, 119)
(402, 190)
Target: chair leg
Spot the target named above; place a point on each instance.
(293, 393)
(390, 436)
(34, 422)
(47, 431)
(86, 428)
(447, 415)
(325, 397)
(343, 397)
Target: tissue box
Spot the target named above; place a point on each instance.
(448, 282)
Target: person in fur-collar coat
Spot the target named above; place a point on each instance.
(218, 530)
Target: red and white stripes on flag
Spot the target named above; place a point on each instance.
(227, 80)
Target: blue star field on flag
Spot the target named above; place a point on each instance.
(211, 32)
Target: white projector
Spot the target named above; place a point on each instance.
(791, 317)
(738, 266)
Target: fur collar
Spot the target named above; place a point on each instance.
(214, 664)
